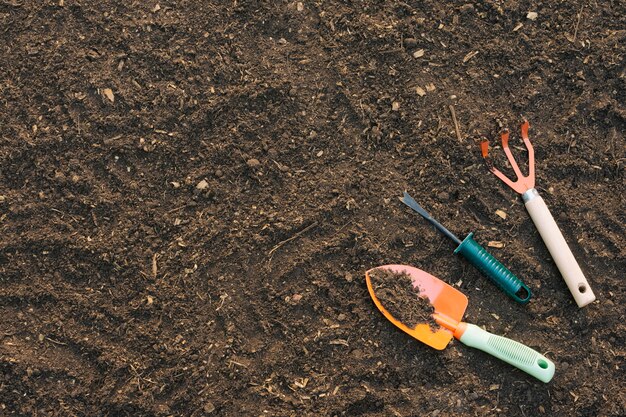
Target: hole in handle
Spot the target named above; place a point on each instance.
(582, 288)
(522, 293)
(543, 364)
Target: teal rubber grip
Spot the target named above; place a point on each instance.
(510, 351)
(493, 269)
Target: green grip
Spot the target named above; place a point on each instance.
(493, 269)
(510, 351)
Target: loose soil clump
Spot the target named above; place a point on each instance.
(396, 293)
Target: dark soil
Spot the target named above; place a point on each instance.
(191, 194)
(396, 293)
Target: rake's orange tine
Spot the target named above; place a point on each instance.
(504, 178)
(525, 126)
(523, 183)
(504, 136)
(509, 155)
(531, 155)
(484, 148)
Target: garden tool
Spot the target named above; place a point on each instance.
(448, 306)
(479, 257)
(541, 216)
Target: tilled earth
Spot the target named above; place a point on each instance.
(191, 192)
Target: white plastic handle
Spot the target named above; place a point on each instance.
(560, 252)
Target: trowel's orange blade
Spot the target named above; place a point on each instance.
(449, 304)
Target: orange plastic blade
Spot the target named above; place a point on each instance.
(449, 305)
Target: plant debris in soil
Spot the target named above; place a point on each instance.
(188, 191)
(396, 292)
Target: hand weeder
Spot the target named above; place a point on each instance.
(541, 216)
(479, 257)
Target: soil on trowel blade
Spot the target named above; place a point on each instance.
(396, 293)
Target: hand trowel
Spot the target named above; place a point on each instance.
(445, 307)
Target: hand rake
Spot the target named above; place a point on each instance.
(541, 216)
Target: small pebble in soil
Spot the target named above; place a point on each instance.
(109, 94)
(202, 185)
(253, 163)
(410, 42)
(209, 407)
(357, 353)
(443, 196)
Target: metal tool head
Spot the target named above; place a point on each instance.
(411, 203)
(523, 183)
(449, 305)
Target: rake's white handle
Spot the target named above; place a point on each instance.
(557, 246)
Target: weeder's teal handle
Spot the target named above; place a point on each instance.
(510, 351)
(493, 269)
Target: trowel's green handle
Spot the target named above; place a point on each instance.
(494, 270)
(510, 351)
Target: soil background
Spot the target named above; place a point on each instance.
(191, 192)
